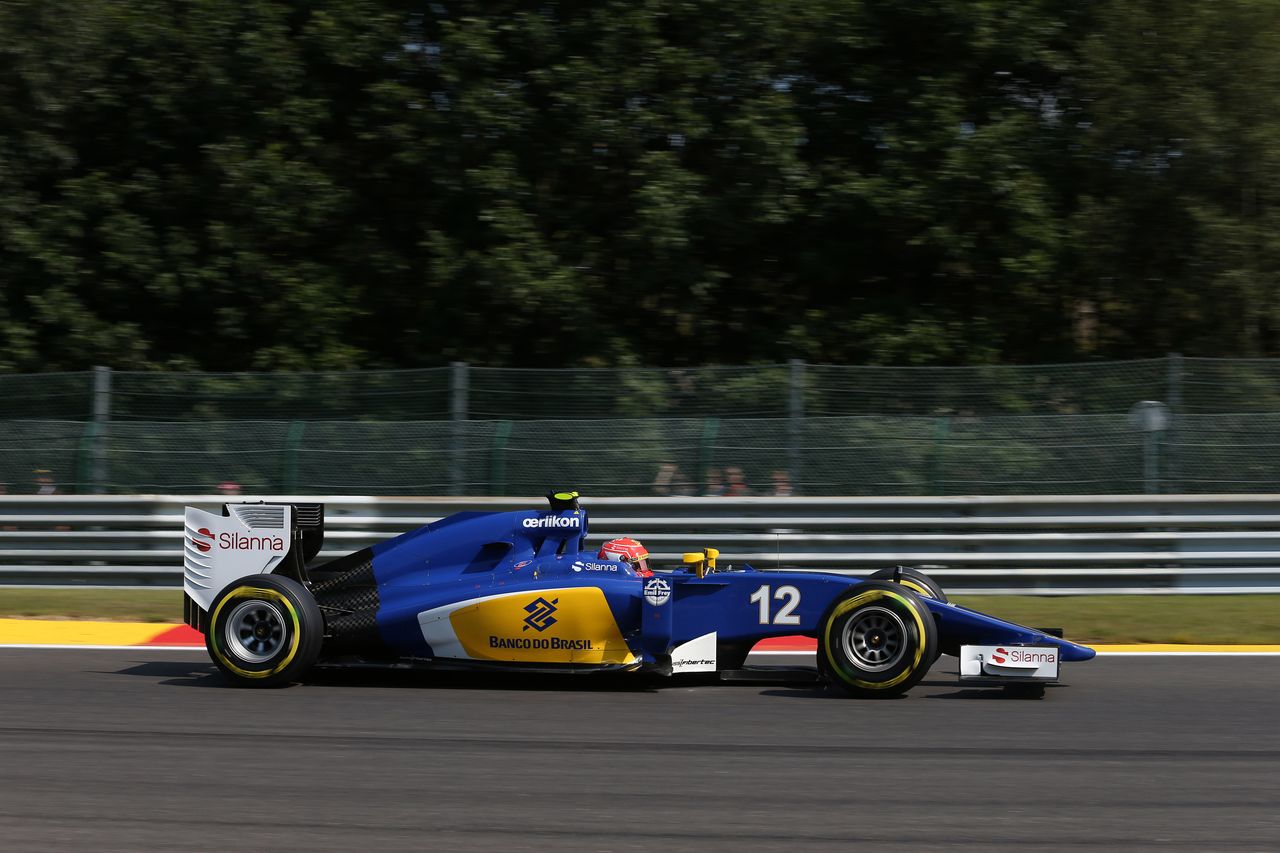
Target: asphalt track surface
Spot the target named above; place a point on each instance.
(131, 750)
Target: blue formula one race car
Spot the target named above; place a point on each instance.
(521, 591)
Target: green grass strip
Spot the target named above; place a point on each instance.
(1087, 618)
(112, 605)
(1142, 618)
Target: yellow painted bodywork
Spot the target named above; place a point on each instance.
(577, 627)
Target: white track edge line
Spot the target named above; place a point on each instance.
(69, 646)
(1185, 654)
(1100, 654)
(101, 648)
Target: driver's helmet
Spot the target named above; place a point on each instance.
(627, 550)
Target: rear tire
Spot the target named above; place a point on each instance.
(876, 641)
(264, 631)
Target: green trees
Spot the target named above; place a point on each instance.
(248, 184)
(1173, 236)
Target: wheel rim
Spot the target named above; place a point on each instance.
(255, 631)
(874, 638)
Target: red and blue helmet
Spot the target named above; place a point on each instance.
(627, 550)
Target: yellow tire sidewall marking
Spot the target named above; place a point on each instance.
(857, 601)
(917, 588)
(217, 640)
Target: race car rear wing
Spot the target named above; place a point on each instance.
(246, 539)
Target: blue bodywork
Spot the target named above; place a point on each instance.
(473, 555)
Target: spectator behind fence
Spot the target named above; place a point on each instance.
(228, 487)
(670, 480)
(736, 486)
(715, 484)
(43, 482)
(782, 484)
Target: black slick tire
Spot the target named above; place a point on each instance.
(922, 585)
(914, 580)
(264, 631)
(877, 640)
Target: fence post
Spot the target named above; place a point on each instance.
(101, 415)
(1168, 439)
(795, 423)
(1152, 417)
(458, 390)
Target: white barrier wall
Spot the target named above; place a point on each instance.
(1048, 545)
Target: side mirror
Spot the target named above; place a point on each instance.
(697, 561)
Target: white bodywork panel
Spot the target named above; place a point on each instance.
(1015, 663)
(697, 655)
(437, 629)
(217, 550)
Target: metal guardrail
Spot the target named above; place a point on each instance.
(1042, 545)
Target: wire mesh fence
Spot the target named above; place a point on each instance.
(1102, 388)
(757, 391)
(51, 396)
(1213, 385)
(374, 394)
(35, 453)
(803, 429)
(875, 455)
(760, 391)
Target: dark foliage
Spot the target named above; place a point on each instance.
(332, 184)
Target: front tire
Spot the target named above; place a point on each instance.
(914, 580)
(264, 631)
(922, 585)
(876, 641)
